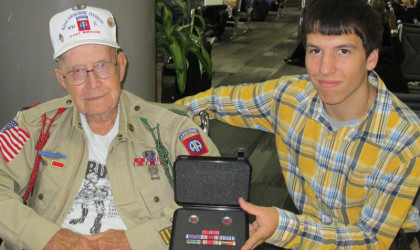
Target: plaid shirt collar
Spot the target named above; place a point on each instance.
(311, 106)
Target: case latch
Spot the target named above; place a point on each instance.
(241, 154)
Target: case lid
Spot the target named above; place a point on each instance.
(211, 181)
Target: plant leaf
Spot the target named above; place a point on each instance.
(177, 38)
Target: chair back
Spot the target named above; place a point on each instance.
(412, 100)
(410, 39)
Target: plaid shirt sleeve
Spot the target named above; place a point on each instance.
(246, 105)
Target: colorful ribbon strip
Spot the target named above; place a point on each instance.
(209, 237)
(211, 242)
(210, 232)
(146, 161)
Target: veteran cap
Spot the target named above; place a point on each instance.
(81, 25)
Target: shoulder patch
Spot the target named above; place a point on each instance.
(194, 144)
(12, 140)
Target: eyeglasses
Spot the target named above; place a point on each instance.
(101, 70)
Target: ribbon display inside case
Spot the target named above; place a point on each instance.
(208, 189)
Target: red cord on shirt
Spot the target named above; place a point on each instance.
(42, 140)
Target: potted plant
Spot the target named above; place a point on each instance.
(179, 35)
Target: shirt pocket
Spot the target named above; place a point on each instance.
(45, 189)
(156, 192)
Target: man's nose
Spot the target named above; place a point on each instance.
(327, 65)
(92, 80)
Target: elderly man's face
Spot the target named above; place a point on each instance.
(95, 97)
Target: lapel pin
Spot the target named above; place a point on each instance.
(227, 220)
(193, 219)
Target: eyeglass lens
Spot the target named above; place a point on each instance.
(101, 71)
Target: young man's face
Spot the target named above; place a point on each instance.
(338, 68)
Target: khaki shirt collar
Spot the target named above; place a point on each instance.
(129, 119)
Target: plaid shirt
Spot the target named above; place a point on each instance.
(353, 187)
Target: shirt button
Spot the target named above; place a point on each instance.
(40, 196)
(137, 108)
(156, 199)
(69, 102)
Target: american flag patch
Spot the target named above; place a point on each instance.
(12, 139)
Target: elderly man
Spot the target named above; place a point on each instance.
(92, 169)
(348, 148)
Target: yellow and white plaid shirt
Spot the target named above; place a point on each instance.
(354, 187)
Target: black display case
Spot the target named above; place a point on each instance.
(208, 189)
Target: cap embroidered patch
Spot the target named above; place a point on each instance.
(166, 234)
(83, 24)
(195, 145)
(12, 139)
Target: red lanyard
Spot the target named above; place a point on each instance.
(42, 140)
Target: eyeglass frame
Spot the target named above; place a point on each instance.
(91, 70)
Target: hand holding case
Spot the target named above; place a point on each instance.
(208, 189)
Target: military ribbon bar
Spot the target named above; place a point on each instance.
(146, 161)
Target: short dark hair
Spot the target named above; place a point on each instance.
(337, 17)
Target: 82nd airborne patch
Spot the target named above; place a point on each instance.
(194, 144)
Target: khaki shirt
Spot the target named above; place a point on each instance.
(146, 206)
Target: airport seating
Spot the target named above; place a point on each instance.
(410, 39)
(412, 100)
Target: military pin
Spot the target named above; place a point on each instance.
(193, 219)
(227, 220)
(154, 172)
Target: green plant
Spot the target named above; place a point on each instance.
(176, 38)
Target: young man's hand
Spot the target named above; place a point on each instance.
(264, 225)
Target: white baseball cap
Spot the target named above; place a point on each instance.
(81, 25)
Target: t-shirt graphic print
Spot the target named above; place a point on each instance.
(94, 210)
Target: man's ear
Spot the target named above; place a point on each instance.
(122, 64)
(59, 75)
(372, 60)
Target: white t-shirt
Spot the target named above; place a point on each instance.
(93, 210)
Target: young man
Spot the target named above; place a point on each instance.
(104, 156)
(348, 148)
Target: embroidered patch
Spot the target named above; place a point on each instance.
(12, 139)
(57, 164)
(195, 145)
(187, 132)
(166, 234)
(83, 24)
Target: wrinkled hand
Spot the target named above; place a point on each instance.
(66, 239)
(263, 227)
(110, 239)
